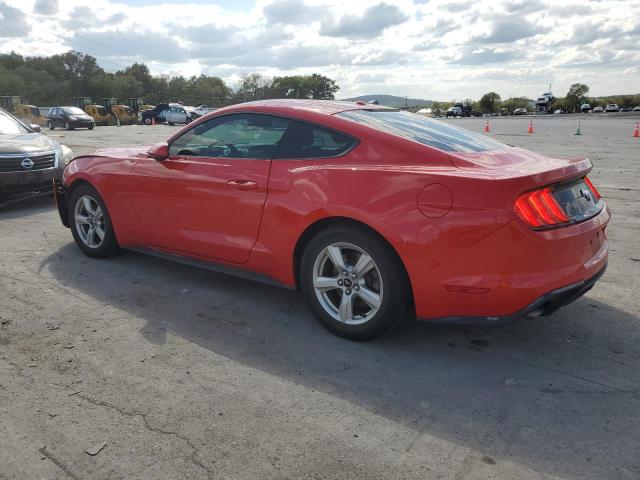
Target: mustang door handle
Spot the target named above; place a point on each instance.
(243, 184)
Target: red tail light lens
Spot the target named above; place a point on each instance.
(540, 209)
(593, 189)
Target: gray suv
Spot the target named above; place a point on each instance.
(29, 161)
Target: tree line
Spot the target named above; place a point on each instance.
(59, 79)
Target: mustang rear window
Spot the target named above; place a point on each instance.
(423, 130)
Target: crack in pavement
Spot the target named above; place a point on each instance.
(632, 393)
(47, 282)
(58, 463)
(143, 416)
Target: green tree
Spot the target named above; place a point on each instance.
(207, 90)
(11, 61)
(141, 73)
(57, 79)
(159, 89)
(515, 102)
(38, 86)
(10, 83)
(125, 87)
(576, 96)
(321, 87)
(304, 86)
(177, 89)
(253, 86)
(561, 104)
(490, 102)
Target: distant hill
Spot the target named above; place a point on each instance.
(392, 100)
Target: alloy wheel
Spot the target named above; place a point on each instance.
(89, 221)
(347, 283)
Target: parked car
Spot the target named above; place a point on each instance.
(585, 108)
(612, 107)
(636, 109)
(177, 114)
(156, 114)
(625, 109)
(29, 161)
(266, 189)
(170, 113)
(69, 118)
(521, 111)
(454, 112)
(598, 109)
(199, 111)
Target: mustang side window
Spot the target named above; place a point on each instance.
(246, 135)
(308, 141)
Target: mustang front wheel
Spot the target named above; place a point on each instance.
(90, 223)
(353, 283)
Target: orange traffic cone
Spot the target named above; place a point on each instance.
(487, 127)
(153, 121)
(636, 131)
(530, 129)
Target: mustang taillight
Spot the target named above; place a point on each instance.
(593, 189)
(540, 209)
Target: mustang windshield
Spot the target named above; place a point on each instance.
(423, 130)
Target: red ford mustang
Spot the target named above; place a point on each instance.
(375, 214)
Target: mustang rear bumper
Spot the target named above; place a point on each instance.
(543, 306)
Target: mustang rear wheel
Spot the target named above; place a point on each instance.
(91, 224)
(353, 283)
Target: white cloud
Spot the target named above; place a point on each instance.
(373, 21)
(45, 7)
(13, 22)
(440, 49)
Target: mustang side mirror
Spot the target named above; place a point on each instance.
(35, 128)
(159, 152)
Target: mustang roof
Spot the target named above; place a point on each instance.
(329, 107)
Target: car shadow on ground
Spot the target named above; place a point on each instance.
(531, 392)
(27, 207)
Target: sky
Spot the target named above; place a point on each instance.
(430, 49)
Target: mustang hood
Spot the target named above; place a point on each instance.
(27, 143)
(124, 152)
(520, 163)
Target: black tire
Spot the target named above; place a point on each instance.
(171, 123)
(109, 246)
(395, 306)
(148, 121)
(91, 127)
